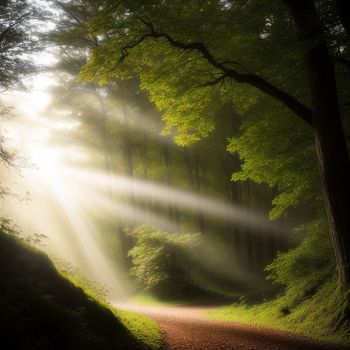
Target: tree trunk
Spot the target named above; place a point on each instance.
(127, 150)
(193, 172)
(198, 189)
(172, 210)
(334, 163)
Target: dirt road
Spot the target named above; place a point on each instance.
(185, 328)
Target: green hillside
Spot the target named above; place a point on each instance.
(40, 309)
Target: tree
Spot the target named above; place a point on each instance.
(162, 261)
(333, 157)
(136, 38)
(18, 39)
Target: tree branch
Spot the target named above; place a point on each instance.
(69, 12)
(126, 49)
(214, 81)
(12, 25)
(254, 80)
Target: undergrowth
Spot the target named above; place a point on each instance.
(323, 316)
(312, 303)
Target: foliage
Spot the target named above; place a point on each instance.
(161, 261)
(19, 29)
(302, 270)
(9, 228)
(49, 312)
(323, 315)
(279, 152)
(184, 85)
(312, 302)
(186, 55)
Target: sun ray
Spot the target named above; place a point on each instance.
(181, 198)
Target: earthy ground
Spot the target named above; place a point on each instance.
(185, 328)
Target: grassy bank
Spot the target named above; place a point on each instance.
(323, 316)
(142, 328)
(43, 310)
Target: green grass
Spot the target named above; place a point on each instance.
(323, 316)
(141, 327)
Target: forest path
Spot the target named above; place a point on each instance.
(185, 328)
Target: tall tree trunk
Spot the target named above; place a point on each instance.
(127, 150)
(331, 147)
(198, 188)
(172, 210)
(193, 171)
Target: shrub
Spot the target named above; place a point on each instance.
(162, 261)
(304, 269)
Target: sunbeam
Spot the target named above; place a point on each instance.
(51, 195)
(119, 184)
(130, 213)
